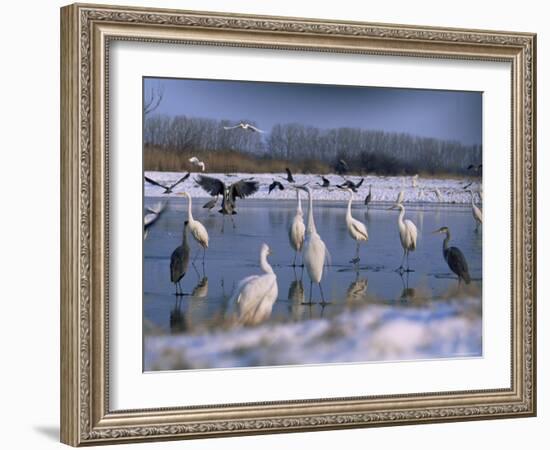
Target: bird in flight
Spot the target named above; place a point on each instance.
(348, 184)
(240, 189)
(326, 182)
(245, 126)
(167, 189)
(195, 161)
(289, 176)
(276, 184)
(342, 167)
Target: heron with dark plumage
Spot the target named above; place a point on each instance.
(240, 189)
(454, 257)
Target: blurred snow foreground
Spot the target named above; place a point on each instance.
(373, 333)
(384, 189)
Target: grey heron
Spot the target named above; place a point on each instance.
(240, 189)
(368, 198)
(167, 189)
(454, 257)
(179, 261)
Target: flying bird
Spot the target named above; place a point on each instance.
(195, 161)
(240, 189)
(356, 229)
(256, 294)
(454, 257)
(289, 176)
(341, 167)
(197, 229)
(407, 234)
(348, 184)
(326, 182)
(245, 126)
(315, 251)
(179, 261)
(297, 230)
(167, 189)
(276, 185)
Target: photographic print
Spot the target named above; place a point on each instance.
(293, 224)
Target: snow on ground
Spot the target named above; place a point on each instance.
(384, 189)
(373, 333)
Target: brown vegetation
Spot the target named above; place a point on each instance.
(223, 161)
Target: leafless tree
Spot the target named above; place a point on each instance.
(153, 100)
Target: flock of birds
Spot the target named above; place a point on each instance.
(256, 294)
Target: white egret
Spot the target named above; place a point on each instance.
(454, 257)
(407, 234)
(197, 229)
(415, 181)
(476, 212)
(256, 294)
(356, 229)
(179, 261)
(297, 230)
(245, 126)
(314, 251)
(195, 161)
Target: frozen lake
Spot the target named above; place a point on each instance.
(425, 296)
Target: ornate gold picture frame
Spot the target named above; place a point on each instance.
(87, 31)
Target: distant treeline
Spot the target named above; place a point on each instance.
(167, 139)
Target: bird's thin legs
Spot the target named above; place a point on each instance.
(310, 294)
(323, 303)
(408, 268)
(223, 222)
(295, 255)
(400, 268)
(233, 222)
(196, 270)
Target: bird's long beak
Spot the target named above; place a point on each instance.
(436, 232)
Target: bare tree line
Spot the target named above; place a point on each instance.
(364, 150)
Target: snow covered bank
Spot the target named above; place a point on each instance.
(373, 333)
(384, 189)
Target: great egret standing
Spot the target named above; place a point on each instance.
(179, 261)
(197, 229)
(356, 229)
(415, 181)
(476, 212)
(256, 294)
(314, 252)
(454, 257)
(297, 230)
(407, 234)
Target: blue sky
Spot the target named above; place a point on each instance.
(448, 115)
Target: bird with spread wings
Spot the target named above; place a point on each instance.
(240, 189)
(245, 126)
(167, 189)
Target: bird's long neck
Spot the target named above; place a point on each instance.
(189, 209)
(299, 208)
(184, 238)
(266, 267)
(472, 195)
(310, 222)
(401, 215)
(446, 240)
(348, 214)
